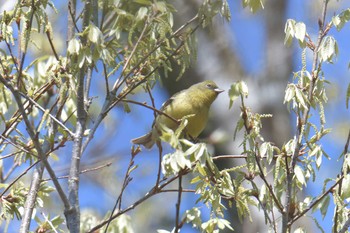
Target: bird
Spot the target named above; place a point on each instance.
(193, 102)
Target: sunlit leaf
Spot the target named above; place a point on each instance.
(299, 174)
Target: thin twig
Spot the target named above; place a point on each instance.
(83, 171)
(160, 155)
(12, 169)
(153, 191)
(28, 30)
(106, 78)
(33, 136)
(127, 180)
(72, 24)
(17, 116)
(178, 205)
(257, 157)
(49, 114)
(18, 177)
(17, 146)
(160, 43)
(12, 56)
(52, 46)
(229, 157)
(331, 189)
(120, 81)
(10, 155)
(177, 190)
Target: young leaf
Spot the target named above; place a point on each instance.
(254, 5)
(299, 174)
(233, 93)
(328, 49)
(340, 19)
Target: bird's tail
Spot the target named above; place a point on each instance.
(145, 140)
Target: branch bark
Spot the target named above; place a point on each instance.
(73, 216)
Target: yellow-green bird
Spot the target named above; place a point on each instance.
(194, 102)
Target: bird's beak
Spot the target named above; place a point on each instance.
(218, 90)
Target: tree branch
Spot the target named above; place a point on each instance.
(178, 204)
(153, 191)
(41, 154)
(336, 214)
(73, 216)
(301, 122)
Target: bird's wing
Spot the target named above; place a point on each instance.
(170, 100)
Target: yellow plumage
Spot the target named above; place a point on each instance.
(194, 101)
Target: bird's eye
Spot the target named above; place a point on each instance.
(209, 86)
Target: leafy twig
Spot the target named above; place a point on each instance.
(49, 114)
(336, 214)
(41, 152)
(18, 177)
(257, 157)
(301, 122)
(318, 199)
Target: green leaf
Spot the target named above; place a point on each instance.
(267, 150)
(345, 191)
(300, 32)
(141, 13)
(196, 179)
(301, 98)
(299, 230)
(323, 205)
(126, 107)
(243, 88)
(94, 34)
(290, 93)
(328, 49)
(340, 19)
(290, 145)
(289, 31)
(296, 30)
(253, 5)
(299, 174)
(74, 46)
(56, 221)
(237, 89)
(233, 93)
(143, 2)
(193, 216)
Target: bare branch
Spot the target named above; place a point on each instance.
(178, 204)
(84, 171)
(153, 191)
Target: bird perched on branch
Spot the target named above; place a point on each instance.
(193, 102)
